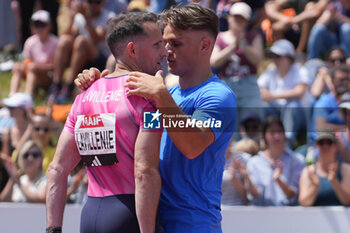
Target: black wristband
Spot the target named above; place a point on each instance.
(54, 230)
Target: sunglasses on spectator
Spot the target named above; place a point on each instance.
(325, 141)
(35, 154)
(39, 24)
(45, 129)
(340, 59)
(95, 1)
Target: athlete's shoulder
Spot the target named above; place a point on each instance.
(217, 87)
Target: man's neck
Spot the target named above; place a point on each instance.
(122, 68)
(192, 79)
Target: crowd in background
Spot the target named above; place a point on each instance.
(287, 61)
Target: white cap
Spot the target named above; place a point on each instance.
(242, 9)
(19, 100)
(283, 47)
(42, 16)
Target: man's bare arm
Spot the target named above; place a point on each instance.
(65, 159)
(147, 179)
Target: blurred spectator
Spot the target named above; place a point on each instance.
(323, 82)
(258, 12)
(327, 182)
(275, 172)
(293, 19)
(250, 127)
(38, 53)
(326, 112)
(235, 177)
(157, 6)
(117, 6)
(283, 87)
(344, 136)
(29, 187)
(137, 5)
(43, 134)
(20, 106)
(26, 10)
(82, 44)
(332, 28)
(236, 55)
(222, 10)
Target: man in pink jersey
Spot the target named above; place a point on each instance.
(104, 130)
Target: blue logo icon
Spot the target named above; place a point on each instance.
(151, 120)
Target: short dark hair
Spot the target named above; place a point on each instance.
(125, 26)
(191, 17)
(335, 48)
(342, 68)
(270, 121)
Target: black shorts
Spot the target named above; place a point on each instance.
(111, 214)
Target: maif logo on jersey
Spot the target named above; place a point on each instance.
(95, 136)
(151, 120)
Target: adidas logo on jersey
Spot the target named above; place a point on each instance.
(96, 162)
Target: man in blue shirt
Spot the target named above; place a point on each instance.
(326, 113)
(198, 116)
(192, 159)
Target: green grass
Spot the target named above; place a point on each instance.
(5, 80)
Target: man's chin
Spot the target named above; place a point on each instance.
(171, 68)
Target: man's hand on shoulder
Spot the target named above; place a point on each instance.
(87, 77)
(145, 85)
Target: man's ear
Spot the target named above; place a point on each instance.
(205, 45)
(131, 49)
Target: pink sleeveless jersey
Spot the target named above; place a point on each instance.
(106, 123)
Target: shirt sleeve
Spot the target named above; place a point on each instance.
(263, 79)
(216, 109)
(71, 119)
(320, 108)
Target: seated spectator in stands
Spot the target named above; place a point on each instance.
(258, 12)
(323, 82)
(43, 134)
(38, 54)
(235, 177)
(236, 55)
(275, 172)
(82, 44)
(283, 86)
(29, 187)
(327, 182)
(250, 128)
(331, 29)
(20, 106)
(344, 136)
(293, 19)
(326, 114)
